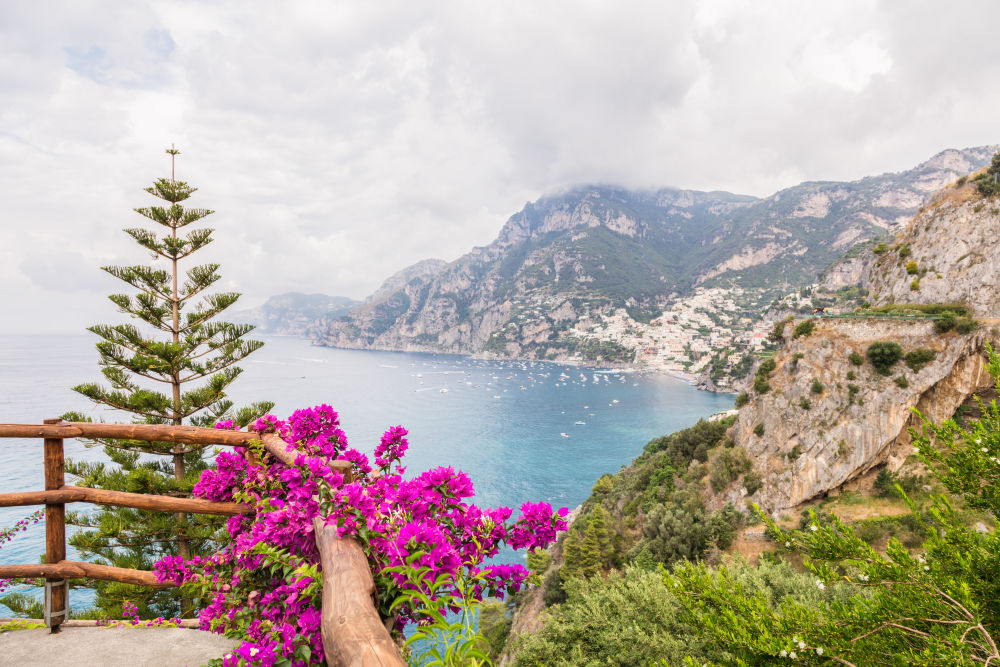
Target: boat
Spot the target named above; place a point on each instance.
(580, 423)
(565, 435)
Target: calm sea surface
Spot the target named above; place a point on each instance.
(522, 430)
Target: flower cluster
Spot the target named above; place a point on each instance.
(130, 614)
(7, 534)
(265, 585)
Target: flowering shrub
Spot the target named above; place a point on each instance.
(265, 586)
(7, 534)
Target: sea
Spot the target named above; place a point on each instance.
(522, 430)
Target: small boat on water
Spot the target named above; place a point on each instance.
(580, 423)
(565, 435)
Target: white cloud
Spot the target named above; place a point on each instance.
(339, 142)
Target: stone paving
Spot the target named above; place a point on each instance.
(112, 647)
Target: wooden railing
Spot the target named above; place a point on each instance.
(353, 633)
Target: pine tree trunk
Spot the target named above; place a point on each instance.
(183, 546)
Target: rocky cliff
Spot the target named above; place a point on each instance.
(950, 252)
(577, 255)
(826, 421)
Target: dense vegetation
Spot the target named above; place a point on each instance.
(913, 589)
(651, 512)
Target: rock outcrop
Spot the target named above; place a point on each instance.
(950, 252)
(805, 443)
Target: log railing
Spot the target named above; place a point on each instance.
(353, 633)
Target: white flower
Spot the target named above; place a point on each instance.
(792, 655)
(795, 640)
(253, 652)
(863, 577)
(819, 650)
(813, 528)
(979, 440)
(820, 585)
(802, 644)
(927, 568)
(788, 545)
(983, 449)
(784, 653)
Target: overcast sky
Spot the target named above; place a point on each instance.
(339, 142)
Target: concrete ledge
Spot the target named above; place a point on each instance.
(112, 647)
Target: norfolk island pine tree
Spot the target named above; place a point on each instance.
(149, 368)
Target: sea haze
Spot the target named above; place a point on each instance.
(512, 426)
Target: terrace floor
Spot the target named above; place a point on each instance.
(112, 647)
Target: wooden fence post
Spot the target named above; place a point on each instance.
(56, 588)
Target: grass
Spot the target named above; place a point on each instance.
(20, 624)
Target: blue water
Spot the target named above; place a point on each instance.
(500, 422)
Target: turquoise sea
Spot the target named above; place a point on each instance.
(521, 430)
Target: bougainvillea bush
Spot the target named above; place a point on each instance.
(265, 586)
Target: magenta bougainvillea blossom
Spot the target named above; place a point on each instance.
(265, 585)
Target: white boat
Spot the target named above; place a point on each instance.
(565, 435)
(580, 423)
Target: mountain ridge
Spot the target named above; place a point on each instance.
(582, 253)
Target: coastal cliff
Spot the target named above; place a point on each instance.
(827, 420)
(565, 264)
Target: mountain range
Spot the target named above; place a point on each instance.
(579, 255)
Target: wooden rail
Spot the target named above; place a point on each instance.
(353, 633)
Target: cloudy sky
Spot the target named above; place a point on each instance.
(339, 142)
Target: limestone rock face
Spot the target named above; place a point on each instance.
(954, 244)
(808, 449)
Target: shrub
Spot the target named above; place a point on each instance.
(758, 430)
(631, 618)
(883, 354)
(885, 484)
(856, 358)
(603, 485)
(966, 325)
(841, 448)
(904, 251)
(911, 268)
(742, 399)
(987, 182)
(817, 387)
(962, 180)
(805, 404)
(552, 589)
(778, 332)
(760, 383)
(918, 358)
(852, 391)
(803, 329)
(795, 453)
(728, 465)
(752, 482)
(691, 443)
(850, 374)
(880, 249)
(946, 322)
(902, 382)
(915, 285)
